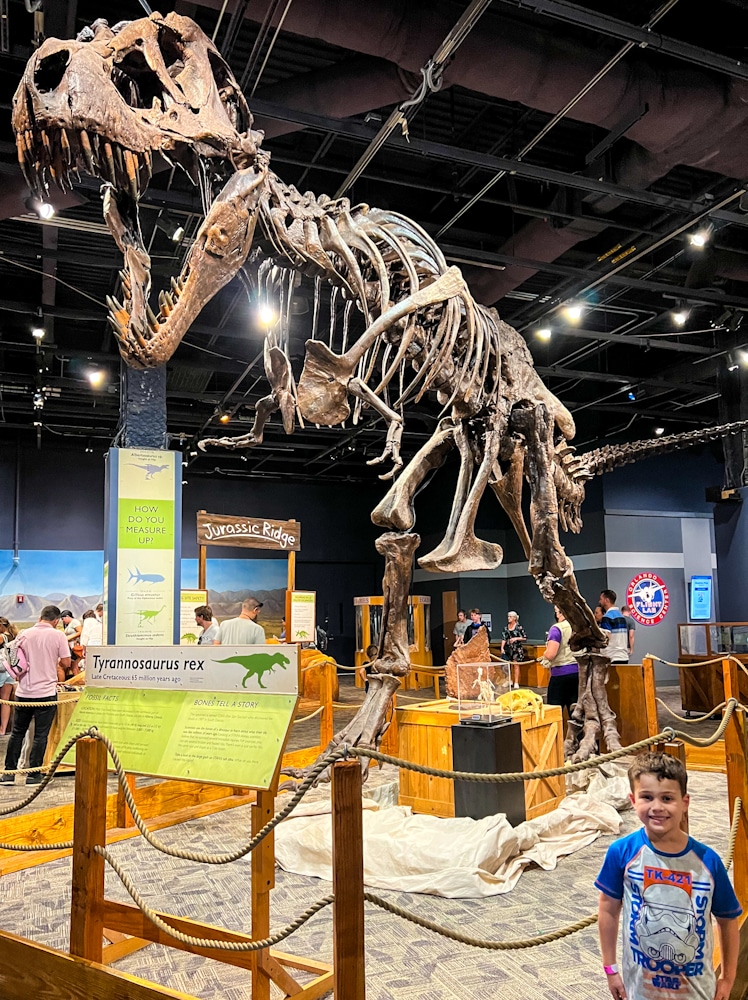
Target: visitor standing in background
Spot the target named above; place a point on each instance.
(47, 657)
(563, 687)
(244, 630)
(8, 632)
(204, 620)
(511, 644)
(631, 626)
(474, 626)
(616, 626)
(460, 626)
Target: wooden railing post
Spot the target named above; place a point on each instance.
(349, 963)
(650, 696)
(89, 830)
(326, 688)
(736, 752)
(263, 880)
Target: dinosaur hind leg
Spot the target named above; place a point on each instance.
(461, 549)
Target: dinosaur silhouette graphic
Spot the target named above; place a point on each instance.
(139, 577)
(148, 616)
(258, 664)
(150, 470)
(301, 634)
(190, 638)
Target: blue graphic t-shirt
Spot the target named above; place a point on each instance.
(668, 902)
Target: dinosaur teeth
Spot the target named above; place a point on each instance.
(85, 144)
(153, 321)
(131, 165)
(109, 160)
(175, 287)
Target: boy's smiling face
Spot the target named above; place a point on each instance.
(660, 806)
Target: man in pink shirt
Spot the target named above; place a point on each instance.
(47, 651)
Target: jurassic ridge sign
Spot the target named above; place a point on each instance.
(216, 714)
(248, 532)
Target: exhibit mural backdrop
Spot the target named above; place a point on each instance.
(74, 579)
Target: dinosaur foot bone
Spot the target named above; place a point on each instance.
(469, 555)
(366, 728)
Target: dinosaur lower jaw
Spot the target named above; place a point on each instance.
(132, 319)
(54, 154)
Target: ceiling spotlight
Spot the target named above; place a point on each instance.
(267, 315)
(225, 417)
(174, 230)
(743, 355)
(659, 431)
(193, 454)
(631, 394)
(732, 363)
(39, 207)
(700, 238)
(680, 316)
(38, 400)
(96, 377)
(38, 333)
(544, 333)
(574, 311)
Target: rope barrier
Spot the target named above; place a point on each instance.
(479, 942)
(737, 808)
(200, 942)
(692, 722)
(699, 663)
(305, 718)
(39, 704)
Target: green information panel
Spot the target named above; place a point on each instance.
(226, 739)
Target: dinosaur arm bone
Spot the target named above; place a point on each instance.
(394, 426)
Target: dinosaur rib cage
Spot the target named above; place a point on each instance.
(375, 259)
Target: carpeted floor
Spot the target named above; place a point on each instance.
(403, 961)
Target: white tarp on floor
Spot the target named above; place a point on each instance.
(455, 858)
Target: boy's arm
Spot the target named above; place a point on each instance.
(608, 918)
(729, 946)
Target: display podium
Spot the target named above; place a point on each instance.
(489, 749)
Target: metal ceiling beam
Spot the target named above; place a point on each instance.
(612, 27)
(453, 154)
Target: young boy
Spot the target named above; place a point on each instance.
(669, 887)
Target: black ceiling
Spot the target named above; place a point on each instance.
(600, 209)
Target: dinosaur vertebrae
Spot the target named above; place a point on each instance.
(612, 456)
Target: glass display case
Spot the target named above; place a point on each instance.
(705, 640)
(369, 612)
(480, 691)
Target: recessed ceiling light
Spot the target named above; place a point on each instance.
(680, 316)
(659, 431)
(574, 311)
(544, 333)
(38, 333)
(96, 377)
(700, 238)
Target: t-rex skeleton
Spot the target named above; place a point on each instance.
(111, 100)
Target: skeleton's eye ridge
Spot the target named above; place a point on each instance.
(50, 71)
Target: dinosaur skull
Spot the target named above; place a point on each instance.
(107, 103)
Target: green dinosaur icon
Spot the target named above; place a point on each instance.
(190, 638)
(258, 664)
(301, 634)
(148, 616)
(150, 470)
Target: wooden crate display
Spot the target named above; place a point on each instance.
(631, 695)
(426, 738)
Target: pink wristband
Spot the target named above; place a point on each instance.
(610, 970)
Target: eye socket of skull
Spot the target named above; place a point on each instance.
(50, 71)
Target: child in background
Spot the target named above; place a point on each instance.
(669, 886)
(365, 669)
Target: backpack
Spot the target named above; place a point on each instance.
(16, 659)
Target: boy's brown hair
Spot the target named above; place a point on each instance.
(662, 766)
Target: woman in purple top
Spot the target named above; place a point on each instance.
(564, 683)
